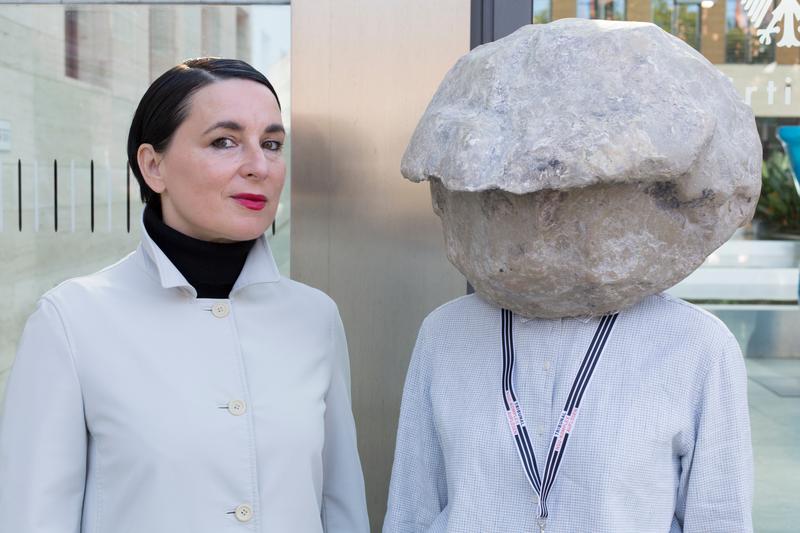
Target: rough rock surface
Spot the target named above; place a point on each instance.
(580, 166)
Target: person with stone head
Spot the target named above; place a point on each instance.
(579, 168)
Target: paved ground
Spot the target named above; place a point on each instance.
(774, 390)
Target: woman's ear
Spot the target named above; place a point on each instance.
(150, 166)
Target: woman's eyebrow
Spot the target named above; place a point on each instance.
(225, 124)
(235, 126)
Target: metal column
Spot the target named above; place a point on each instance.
(362, 74)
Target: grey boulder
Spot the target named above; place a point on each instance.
(582, 165)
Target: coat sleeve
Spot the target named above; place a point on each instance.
(344, 507)
(418, 489)
(43, 435)
(716, 489)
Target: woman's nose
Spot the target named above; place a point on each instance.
(256, 163)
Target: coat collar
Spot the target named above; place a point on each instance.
(260, 266)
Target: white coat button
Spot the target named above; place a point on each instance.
(237, 407)
(244, 513)
(220, 310)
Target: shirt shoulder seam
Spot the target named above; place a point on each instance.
(697, 311)
(67, 338)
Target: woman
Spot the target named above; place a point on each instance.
(188, 387)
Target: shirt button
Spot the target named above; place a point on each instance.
(244, 513)
(540, 430)
(237, 407)
(547, 365)
(220, 310)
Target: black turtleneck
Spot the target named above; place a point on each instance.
(210, 267)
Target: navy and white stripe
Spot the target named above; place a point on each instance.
(542, 484)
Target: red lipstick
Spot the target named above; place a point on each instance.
(255, 202)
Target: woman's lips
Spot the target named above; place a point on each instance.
(256, 202)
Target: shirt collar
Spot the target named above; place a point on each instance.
(260, 266)
(583, 318)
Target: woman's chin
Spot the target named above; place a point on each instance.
(245, 231)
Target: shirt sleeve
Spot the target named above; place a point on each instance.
(716, 489)
(43, 434)
(418, 489)
(344, 508)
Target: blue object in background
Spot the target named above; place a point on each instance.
(790, 139)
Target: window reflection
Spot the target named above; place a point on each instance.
(778, 212)
(542, 11)
(741, 42)
(71, 43)
(680, 19)
(601, 9)
(87, 41)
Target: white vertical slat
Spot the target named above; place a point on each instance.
(36, 196)
(108, 195)
(2, 214)
(72, 195)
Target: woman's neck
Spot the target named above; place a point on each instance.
(210, 267)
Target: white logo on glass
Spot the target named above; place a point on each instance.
(785, 15)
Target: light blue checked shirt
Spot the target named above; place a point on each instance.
(662, 443)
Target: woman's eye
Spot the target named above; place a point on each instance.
(222, 142)
(272, 146)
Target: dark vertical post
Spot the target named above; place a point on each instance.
(55, 194)
(476, 24)
(509, 16)
(19, 192)
(487, 23)
(91, 192)
(273, 226)
(128, 193)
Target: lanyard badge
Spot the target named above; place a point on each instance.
(542, 483)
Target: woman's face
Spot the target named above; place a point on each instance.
(222, 174)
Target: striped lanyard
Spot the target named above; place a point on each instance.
(542, 484)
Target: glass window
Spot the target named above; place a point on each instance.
(680, 19)
(70, 79)
(601, 9)
(542, 11)
(741, 42)
(778, 212)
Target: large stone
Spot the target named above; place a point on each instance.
(580, 166)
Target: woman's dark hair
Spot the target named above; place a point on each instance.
(166, 103)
